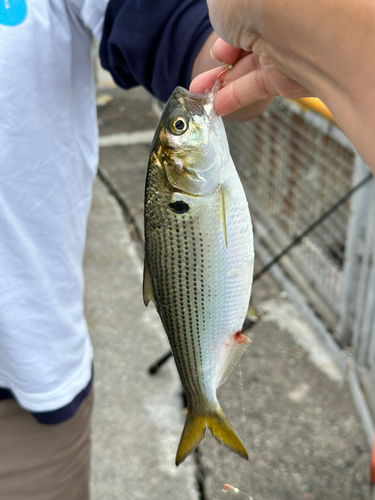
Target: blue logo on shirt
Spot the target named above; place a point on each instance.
(12, 12)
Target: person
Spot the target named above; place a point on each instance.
(298, 49)
(48, 162)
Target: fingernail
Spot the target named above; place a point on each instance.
(213, 57)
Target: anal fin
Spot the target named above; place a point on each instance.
(235, 351)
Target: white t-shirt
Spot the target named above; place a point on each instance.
(48, 161)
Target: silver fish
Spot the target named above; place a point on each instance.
(198, 258)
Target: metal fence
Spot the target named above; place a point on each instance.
(357, 318)
(294, 166)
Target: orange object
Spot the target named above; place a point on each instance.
(315, 104)
(227, 487)
(372, 466)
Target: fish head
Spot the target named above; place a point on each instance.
(190, 143)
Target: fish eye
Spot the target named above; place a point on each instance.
(178, 125)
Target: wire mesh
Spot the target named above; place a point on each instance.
(295, 171)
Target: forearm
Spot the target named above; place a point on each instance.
(153, 46)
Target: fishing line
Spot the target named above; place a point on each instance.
(242, 393)
(155, 367)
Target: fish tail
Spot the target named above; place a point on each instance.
(195, 428)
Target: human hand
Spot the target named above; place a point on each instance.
(252, 82)
(206, 69)
(319, 48)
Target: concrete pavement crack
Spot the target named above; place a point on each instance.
(127, 214)
(138, 239)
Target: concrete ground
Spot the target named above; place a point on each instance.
(286, 398)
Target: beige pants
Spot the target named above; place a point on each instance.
(44, 462)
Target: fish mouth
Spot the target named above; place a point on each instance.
(181, 92)
(193, 103)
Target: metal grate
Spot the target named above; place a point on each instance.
(294, 166)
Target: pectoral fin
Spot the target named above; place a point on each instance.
(148, 288)
(224, 205)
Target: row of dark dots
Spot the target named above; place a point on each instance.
(189, 329)
(179, 326)
(198, 273)
(206, 254)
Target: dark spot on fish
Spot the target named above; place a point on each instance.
(179, 207)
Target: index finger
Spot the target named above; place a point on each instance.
(205, 81)
(242, 92)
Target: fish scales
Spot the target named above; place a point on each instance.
(168, 254)
(199, 254)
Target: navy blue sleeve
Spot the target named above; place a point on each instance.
(153, 43)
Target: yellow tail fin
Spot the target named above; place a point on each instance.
(195, 428)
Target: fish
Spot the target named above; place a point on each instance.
(199, 258)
